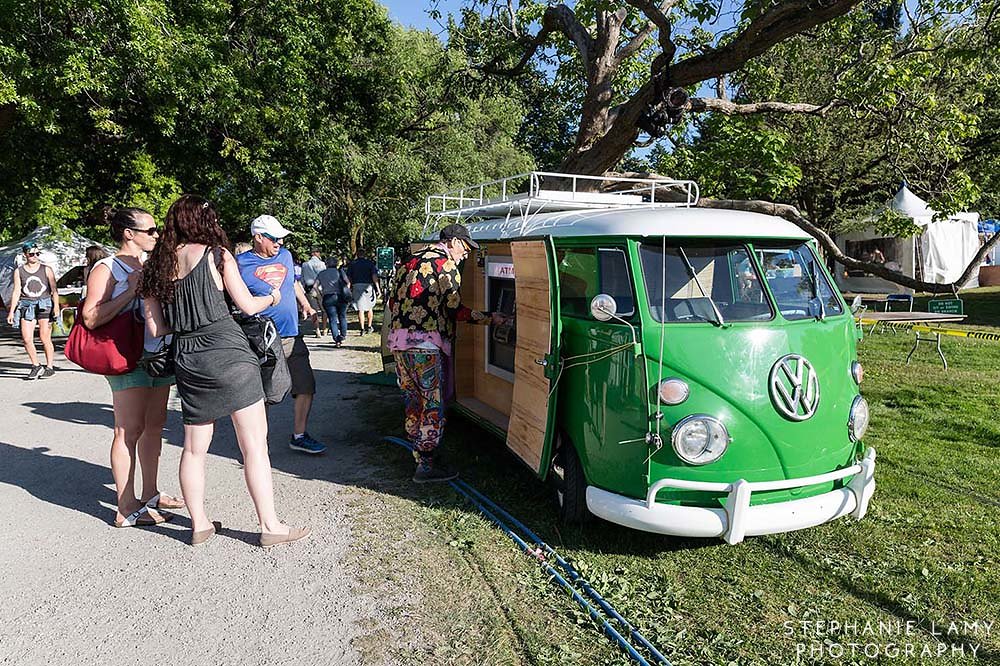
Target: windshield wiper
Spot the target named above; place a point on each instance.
(815, 289)
(694, 276)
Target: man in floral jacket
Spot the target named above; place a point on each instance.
(424, 306)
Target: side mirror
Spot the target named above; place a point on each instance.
(603, 307)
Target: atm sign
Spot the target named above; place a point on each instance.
(498, 270)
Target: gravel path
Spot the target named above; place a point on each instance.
(75, 590)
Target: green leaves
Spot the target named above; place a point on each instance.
(324, 114)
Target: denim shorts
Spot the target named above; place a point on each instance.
(137, 379)
(30, 309)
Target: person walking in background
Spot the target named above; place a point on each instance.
(268, 267)
(363, 275)
(35, 298)
(92, 255)
(424, 306)
(138, 400)
(217, 373)
(335, 289)
(310, 270)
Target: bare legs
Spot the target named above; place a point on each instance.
(196, 441)
(28, 338)
(151, 439)
(45, 334)
(130, 407)
(303, 405)
(250, 424)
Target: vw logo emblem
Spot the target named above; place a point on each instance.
(794, 387)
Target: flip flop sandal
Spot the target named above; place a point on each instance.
(160, 501)
(143, 518)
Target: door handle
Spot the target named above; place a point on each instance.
(541, 361)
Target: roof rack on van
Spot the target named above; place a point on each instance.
(527, 194)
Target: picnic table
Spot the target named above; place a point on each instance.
(918, 322)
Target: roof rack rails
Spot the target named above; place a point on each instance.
(526, 195)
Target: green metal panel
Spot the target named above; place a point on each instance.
(607, 406)
(553, 360)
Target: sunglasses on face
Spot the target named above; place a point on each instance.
(34, 253)
(277, 241)
(152, 231)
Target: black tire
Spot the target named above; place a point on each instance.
(569, 483)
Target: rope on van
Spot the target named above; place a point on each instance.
(541, 551)
(663, 327)
(601, 355)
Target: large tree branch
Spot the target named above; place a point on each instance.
(556, 19)
(702, 104)
(792, 214)
(781, 21)
(657, 15)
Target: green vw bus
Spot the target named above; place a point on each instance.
(675, 369)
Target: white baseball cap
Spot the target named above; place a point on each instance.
(268, 224)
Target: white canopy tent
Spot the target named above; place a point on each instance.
(63, 252)
(941, 252)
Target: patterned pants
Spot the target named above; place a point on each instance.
(420, 373)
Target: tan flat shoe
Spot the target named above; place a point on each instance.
(201, 536)
(294, 534)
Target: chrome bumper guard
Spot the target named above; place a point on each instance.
(738, 519)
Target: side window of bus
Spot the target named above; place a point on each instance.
(586, 272)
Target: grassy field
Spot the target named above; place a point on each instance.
(917, 581)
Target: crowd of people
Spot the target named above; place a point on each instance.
(185, 288)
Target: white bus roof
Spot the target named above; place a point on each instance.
(680, 222)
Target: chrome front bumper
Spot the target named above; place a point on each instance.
(738, 519)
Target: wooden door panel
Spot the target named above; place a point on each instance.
(527, 432)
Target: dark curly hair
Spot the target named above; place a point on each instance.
(191, 219)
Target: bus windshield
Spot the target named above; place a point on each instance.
(703, 283)
(800, 289)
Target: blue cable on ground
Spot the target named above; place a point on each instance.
(481, 502)
(575, 576)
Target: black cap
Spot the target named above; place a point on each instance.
(460, 232)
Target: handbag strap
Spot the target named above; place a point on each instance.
(134, 305)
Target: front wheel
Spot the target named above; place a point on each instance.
(569, 483)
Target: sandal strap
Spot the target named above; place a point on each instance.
(132, 519)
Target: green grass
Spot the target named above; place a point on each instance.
(928, 551)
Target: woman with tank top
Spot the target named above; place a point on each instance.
(35, 298)
(184, 284)
(139, 401)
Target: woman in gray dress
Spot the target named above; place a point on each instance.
(217, 373)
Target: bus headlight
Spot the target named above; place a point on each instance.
(700, 439)
(857, 425)
(857, 372)
(673, 391)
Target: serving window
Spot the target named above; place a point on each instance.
(501, 340)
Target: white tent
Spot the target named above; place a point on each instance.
(63, 252)
(941, 251)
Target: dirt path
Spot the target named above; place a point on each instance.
(75, 590)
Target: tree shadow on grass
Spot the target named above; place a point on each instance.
(880, 600)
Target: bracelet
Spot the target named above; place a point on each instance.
(272, 299)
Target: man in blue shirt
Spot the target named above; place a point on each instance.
(269, 266)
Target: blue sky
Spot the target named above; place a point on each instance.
(414, 12)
